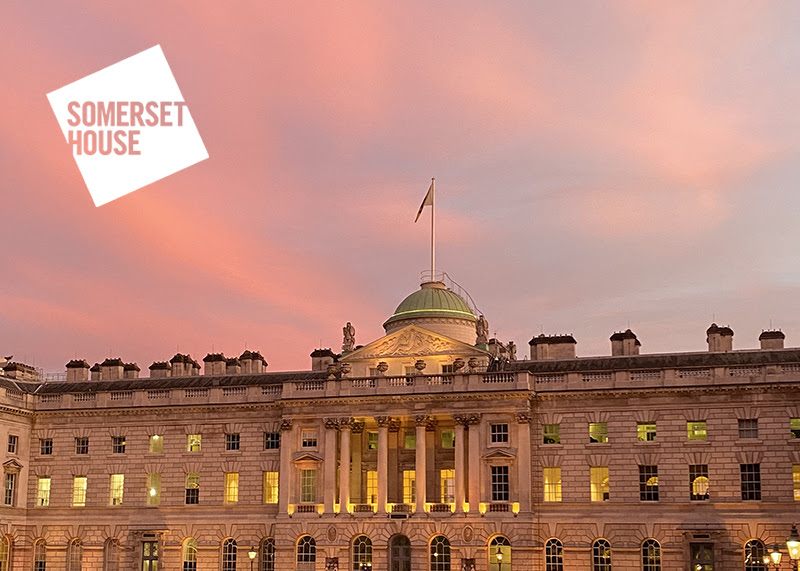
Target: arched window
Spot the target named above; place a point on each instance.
(754, 552)
(601, 555)
(499, 554)
(74, 555)
(306, 552)
(399, 553)
(651, 555)
(111, 554)
(553, 557)
(5, 553)
(267, 554)
(190, 554)
(362, 553)
(440, 553)
(40, 556)
(229, 555)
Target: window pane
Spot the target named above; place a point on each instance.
(601, 555)
(499, 433)
(79, 491)
(598, 476)
(553, 558)
(448, 438)
(193, 442)
(270, 487)
(153, 489)
(409, 487)
(156, 443)
(117, 484)
(551, 434)
(598, 432)
(231, 487)
(447, 485)
(308, 486)
(552, 484)
(751, 481)
(698, 482)
(43, 492)
(648, 483)
(651, 555)
(696, 430)
(372, 487)
(646, 431)
(500, 483)
(748, 428)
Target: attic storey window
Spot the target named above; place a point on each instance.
(82, 445)
(598, 432)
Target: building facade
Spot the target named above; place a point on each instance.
(431, 449)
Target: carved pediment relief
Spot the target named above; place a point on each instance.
(499, 454)
(12, 466)
(412, 341)
(307, 457)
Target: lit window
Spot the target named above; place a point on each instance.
(13, 441)
(308, 486)
(268, 554)
(45, 447)
(116, 487)
(698, 482)
(601, 555)
(82, 445)
(409, 486)
(272, 440)
(5, 549)
(448, 438)
(229, 550)
(193, 442)
(648, 483)
(500, 483)
(190, 555)
(40, 555)
(118, 444)
(306, 550)
(372, 440)
(440, 553)
(231, 487)
(598, 432)
(232, 441)
(362, 553)
(372, 487)
(794, 426)
(499, 554)
(153, 489)
(696, 430)
(409, 440)
(156, 443)
(598, 477)
(447, 485)
(796, 481)
(10, 489)
(192, 488)
(751, 481)
(74, 555)
(309, 438)
(270, 487)
(551, 434)
(552, 484)
(499, 433)
(754, 552)
(553, 555)
(150, 556)
(651, 555)
(646, 431)
(43, 492)
(79, 484)
(748, 428)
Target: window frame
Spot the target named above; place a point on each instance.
(599, 484)
(43, 487)
(646, 431)
(648, 492)
(554, 561)
(697, 430)
(601, 560)
(748, 428)
(598, 433)
(191, 484)
(228, 554)
(272, 441)
(500, 483)
(551, 489)
(551, 434)
(750, 475)
(499, 433)
(45, 447)
(233, 442)
(699, 471)
(651, 555)
(118, 444)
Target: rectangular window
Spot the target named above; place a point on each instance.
(192, 488)
(648, 483)
(150, 556)
(598, 479)
(118, 444)
(116, 487)
(598, 432)
(748, 428)
(308, 486)
(552, 484)
(43, 492)
(10, 488)
(193, 442)
(499, 433)
(751, 481)
(156, 443)
(551, 434)
(796, 481)
(79, 484)
(698, 482)
(232, 441)
(45, 446)
(409, 486)
(646, 431)
(12, 443)
(82, 445)
(153, 488)
(500, 483)
(409, 440)
(270, 487)
(272, 440)
(794, 426)
(231, 487)
(696, 430)
(372, 440)
(448, 438)
(372, 487)
(448, 369)
(309, 438)
(447, 485)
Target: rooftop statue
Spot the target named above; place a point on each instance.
(482, 331)
(5, 361)
(349, 337)
(512, 351)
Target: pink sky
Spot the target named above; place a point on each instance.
(598, 165)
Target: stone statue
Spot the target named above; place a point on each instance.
(482, 331)
(5, 361)
(349, 337)
(512, 351)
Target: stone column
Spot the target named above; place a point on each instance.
(344, 465)
(474, 462)
(461, 423)
(420, 464)
(285, 476)
(356, 429)
(524, 460)
(329, 491)
(383, 461)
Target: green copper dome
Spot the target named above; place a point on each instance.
(432, 300)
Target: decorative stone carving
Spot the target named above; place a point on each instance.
(412, 342)
(461, 419)
(394, 424)
(382, 367)
(524, 416)
(346, 368)
(346, 422)
(474, 418)
(473, 364)
(332, 563)
(482, 331)
(467, 534)
(286, 424)
(332, 533)
(357, 427)
(420, 365)
(512, 351)
(348, 337)
(458, 364)
(383, 420)
(332, 369)
(424, 420)
(331, 423)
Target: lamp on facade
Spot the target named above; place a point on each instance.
(793, 546)
(499, 557)
(252, 555)
(775, 556)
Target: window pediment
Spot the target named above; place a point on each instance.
(11, 467)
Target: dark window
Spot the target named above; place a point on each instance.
(12, 443)
(362, 553)
(500, 484)
(40, 556)
(10, 485)
(118, 444)
(748, 428)
(754, 552)
(229, 555)
(651, 555)
(272, 440)
(268, 555)
(698, 482)
(553, 556)
(751, 481)
(306, 549)
(648, 483)
(45, 446)
(601, 555)
(232, 441)
(499, 432)
(150, 556)
(82, 445)
(440, 553)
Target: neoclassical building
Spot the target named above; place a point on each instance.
(432, 448)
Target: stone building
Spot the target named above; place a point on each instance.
(421, 450)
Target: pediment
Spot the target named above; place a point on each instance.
(307, 457)
(413, 341)
(499, 454)
(12, 466)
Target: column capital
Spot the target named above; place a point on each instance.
(474, 418)
(357, 427)
(524, 416)
(286, 424)
(427, 421)
(383, 421)
(394, 424)
(346, 422)
(461, 419)
(332, 423)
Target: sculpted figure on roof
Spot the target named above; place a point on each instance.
(482, 331)
(349, 337)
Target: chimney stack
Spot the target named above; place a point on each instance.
(720, 339)
(96, 372)
(160, 370)
(214, 364)
(77, 370)
(130, 371)
(624, 343)
(321, 358)
(233, 366)
(552, 347)
(112, 369)
(771, 339)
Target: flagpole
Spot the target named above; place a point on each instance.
(433, 229)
